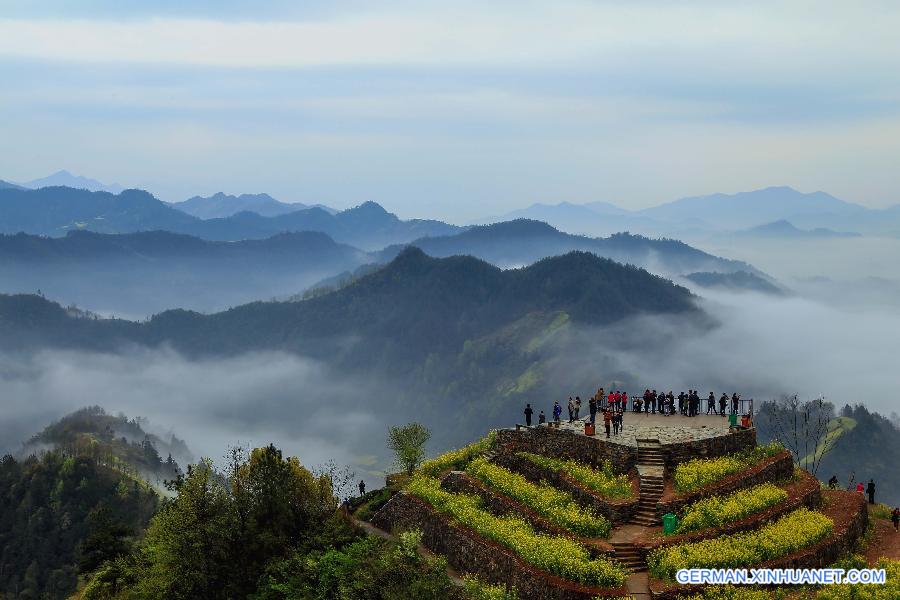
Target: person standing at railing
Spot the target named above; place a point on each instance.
(723, 402)
(577, 407)
(711, 403)
(592, 408)
(528, 412)
(735, 401)
(571, 408)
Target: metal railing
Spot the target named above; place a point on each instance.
(745, 405)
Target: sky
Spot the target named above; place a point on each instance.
(455, 110)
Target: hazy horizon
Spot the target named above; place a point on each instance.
(456, 112)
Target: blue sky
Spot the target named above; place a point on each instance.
(455, 110)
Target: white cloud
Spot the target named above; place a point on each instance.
(765, 38)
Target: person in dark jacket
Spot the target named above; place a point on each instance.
(362, 487)
(528, 412)
(833, 482)
(895, 518)
(592, 408)
(870, 490)
(542, 418)
(557, 411)
(723, 402)
(711, 403)
(571, 408)
(735, 401)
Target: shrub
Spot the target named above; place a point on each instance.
(790, 533)
(458, 459)
(605, 482)
(555, 505)
(408, 444)
(718, 510)
(560, 556)
(479, 590)
(695, 474)
(890, 589)
(880, 511)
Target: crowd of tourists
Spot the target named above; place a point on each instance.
(614, 405)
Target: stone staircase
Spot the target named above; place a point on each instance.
(650, 454)
(651, 466)
(627, 554)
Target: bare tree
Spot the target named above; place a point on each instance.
(343, 478)
(803, 428)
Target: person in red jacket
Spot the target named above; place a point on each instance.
(860, 488)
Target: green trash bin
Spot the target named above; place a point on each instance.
(732, 420)
(670, 523)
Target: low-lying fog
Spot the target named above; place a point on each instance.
(253, 399)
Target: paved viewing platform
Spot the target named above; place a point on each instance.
(670, 429)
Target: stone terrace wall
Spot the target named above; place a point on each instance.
(561, 443)
(727, 443)
(615, 511)
(774, 468)
(470, 553)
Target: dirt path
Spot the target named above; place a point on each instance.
(885, 542)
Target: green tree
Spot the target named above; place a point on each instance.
(185, 554)
(408, 444)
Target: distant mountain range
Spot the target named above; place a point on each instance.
(524, 241)
(66, 179)
(139, 274)
(223, 205)
(54, 211)
(719, 213)
(786, 230)
(416, 303)
(7, 185)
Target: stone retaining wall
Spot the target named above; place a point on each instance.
(562, 443)
(727, 443)
(615, 511)
(470, 553)
(774, 468)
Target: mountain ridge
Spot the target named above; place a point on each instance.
(54, 210)
(525, 241)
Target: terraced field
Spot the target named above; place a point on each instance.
(487, 512)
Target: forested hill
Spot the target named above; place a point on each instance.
(79, 495)
(416, 305)
(524, 241)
